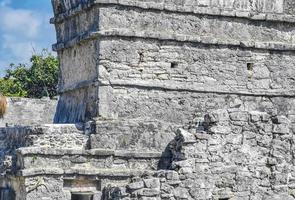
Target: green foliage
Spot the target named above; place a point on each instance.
(11, 89)
(38, 80)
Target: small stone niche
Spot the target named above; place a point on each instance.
(250, 66)
(174, 65)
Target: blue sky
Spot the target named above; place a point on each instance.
(24, 28)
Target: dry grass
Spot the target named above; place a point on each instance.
(3, 105)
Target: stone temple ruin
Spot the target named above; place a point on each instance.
(163, 99)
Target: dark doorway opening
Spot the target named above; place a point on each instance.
(82, 196)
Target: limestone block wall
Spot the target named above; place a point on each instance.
(241, 155)
(132, 135)
(216, 6)
(60, 138)
(137, 71)
(178, 26)
(63, 168)
(232, 154)
(23, 111)
(138, 59)
(46, 136)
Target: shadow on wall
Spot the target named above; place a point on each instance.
(69, 111)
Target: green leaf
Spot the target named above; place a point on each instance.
(37, 80)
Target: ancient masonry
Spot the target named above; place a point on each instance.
(164, 99)
(22, 111)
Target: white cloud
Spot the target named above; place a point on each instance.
(20, 49)
(20, 21)
(22, 31)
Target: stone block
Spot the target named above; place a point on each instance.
(220, 129)
(132, 135)
(149, 198)
(172, 175)
(186, 136)
(166, 188)
(239, 116)
(281, 129)
(181, 193)
(136, 185)
(147, 192)
(255, 116)
(153, 183)
(265, 117)
(280, 120)
(217, 116)
(198, 193)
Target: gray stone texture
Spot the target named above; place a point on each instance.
(179, 56)
(164, 99)
(240, 155)
(23, 111)
(132, 135)
(250, 159)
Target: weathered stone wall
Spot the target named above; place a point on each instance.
(132, 135)
(230, 154)
(216, 6)
(57, 139)
(45, 136)
(137, 71)
(241, 155)
(22, 111)
(179, 26)
(138, 59)
(55, 162)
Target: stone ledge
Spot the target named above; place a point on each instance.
(127, 154)
(49, 135)
(214, 11)
(126, 33)
(82, 171)
(93, 152)
(46, 129)
(200, 88)
(190, 87)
